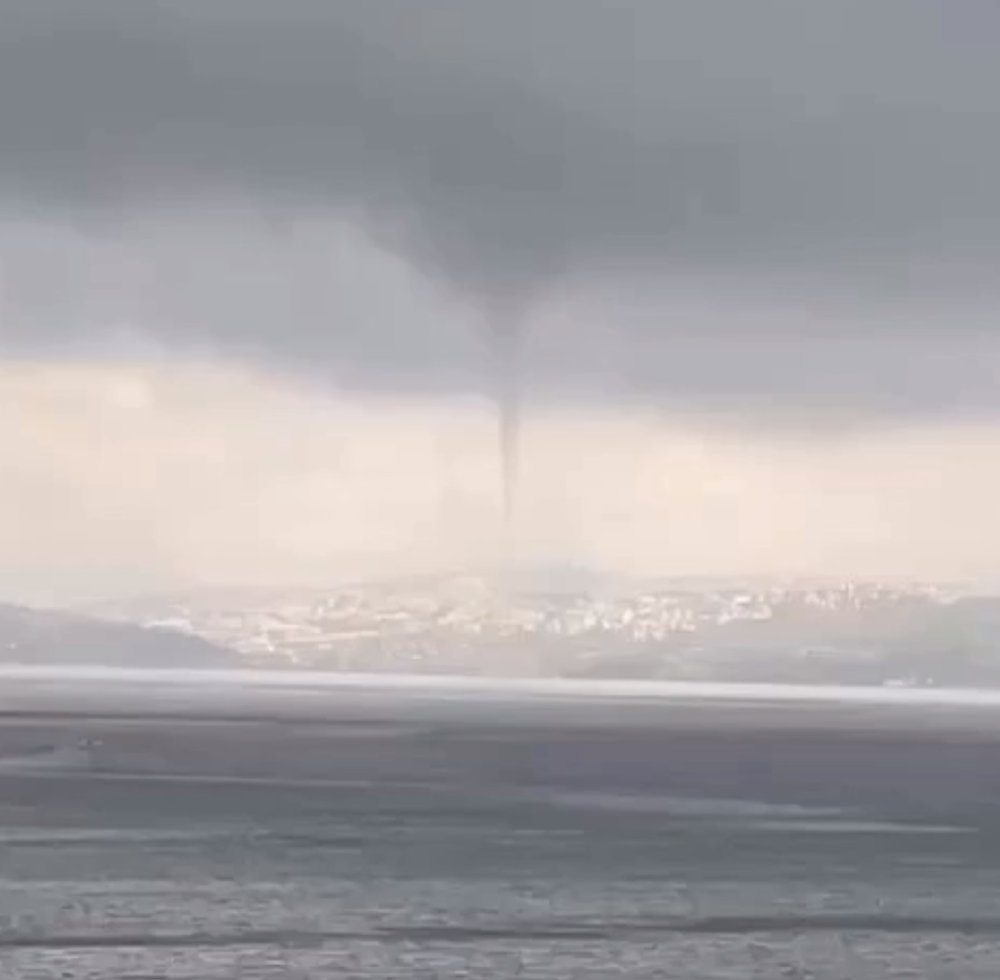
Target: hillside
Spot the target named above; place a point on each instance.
(807, 632)
(34, 636)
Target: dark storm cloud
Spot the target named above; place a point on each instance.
(513, 146)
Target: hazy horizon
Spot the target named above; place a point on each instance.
(165, 475)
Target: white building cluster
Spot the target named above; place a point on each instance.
(464, 623)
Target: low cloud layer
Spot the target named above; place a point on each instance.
(813, 174)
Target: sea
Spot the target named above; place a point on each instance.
(189, 849)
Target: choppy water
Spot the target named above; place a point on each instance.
(272, 852)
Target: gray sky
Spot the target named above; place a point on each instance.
(773, 212)
(810, 169)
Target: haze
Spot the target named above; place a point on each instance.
(257, 262)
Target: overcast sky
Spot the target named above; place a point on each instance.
(768, 229)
